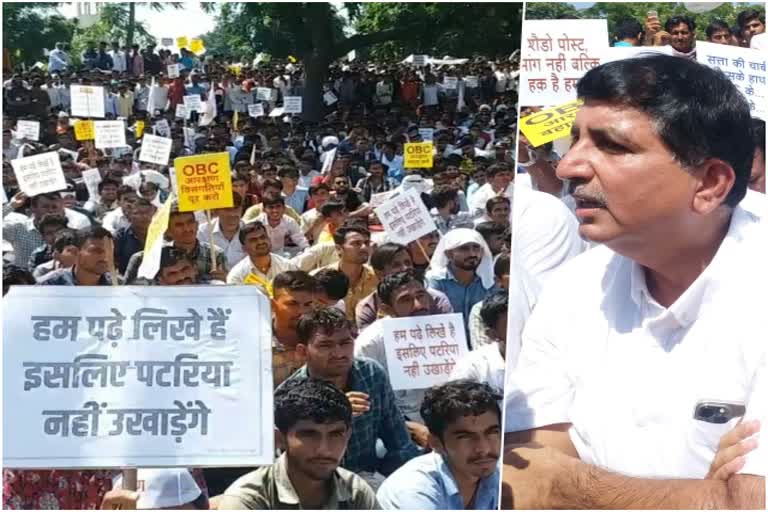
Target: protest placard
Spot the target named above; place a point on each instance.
(174, 70)
(450, 82)
(39, 174)
(329, 98)
(204, 181)
(166, 41)
(292, 104)
(256, 110)
(193, 102)
(92, 178)
(264, 94)
(551, 124)
(182, 42)
(196, 46)
(84, 129)
(472, 81)
(155, 150)
(405, 218)
(109, 134)
(745, 67)
(419, 61)
(111, 377)
(427, 134)
(29, 130)
(87, 100)
(276, 112)
(380, 198)
(556, 53)
(182, 112)
(423, 350)
(418, 155)
(162, 128)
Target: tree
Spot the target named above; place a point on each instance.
(315, 33)
(550, 11)
(28, 28)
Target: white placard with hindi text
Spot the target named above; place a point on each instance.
(87, 100)
(193, 102)
(137, 376)
(264, 94)
(427, 134)
(182, 112)
(162, 128)
(292, 104)
(472, 81)
(405, 217)
(39, 174)
(109, 134)
(555, 55)
(419, 61)
(92, 178)
(423, 350)
(155, 150)
(166, 41)
(450, 82)
(174, 70)
(380, 198)
(256, 110)
(29, 130)
(745, 67)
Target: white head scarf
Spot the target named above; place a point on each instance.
(456, 238)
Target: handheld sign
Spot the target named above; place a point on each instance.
(166, 41)
(204, 182)
(155, 150)
(471, 81)
(193, 102)
(292, 104)
(256, 110)
(196, 46)
(419, 61)
(109, 134)
(182, 42)
(551, 124)
(162, 128)
(276, 112)
(87, 100)
(329, 98)
(92, 178)
(264, 94)
(84, 129)
(182, 112)
(39, 174)
(97, 377)
(139, 129)
(418, 155)
(423, 350)
(405, 218)
(427, 134)
(29, 130)
(174, 70)
(450, 82)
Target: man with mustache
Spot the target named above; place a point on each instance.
(461, 473)
(630, 337)
(261, 266)
(313, 420)
(326, 342)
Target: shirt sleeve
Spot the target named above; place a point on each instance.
(394, 434)
(409, 491)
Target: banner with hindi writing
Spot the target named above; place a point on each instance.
(555, 55)
(745, 67)
(405, 217)
(110, 377)
(423, 350)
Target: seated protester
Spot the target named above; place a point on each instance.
(478, 331)
(176, 268)
(295, 196)
(461, 473)
(387, 259)
(332, 287)
(462, 268)
(130, 240)
(65, 249)
(353, 243)
(118, 218)
(50, 225)
(271, 187)
(499, 183)
(334, 213)
(260, 266)
(402, 295)
(182, 233)
(497, 209)
(376, 182)
(486, 363)
(313, 420)
(326, 340)
(312, 221)
(160, 489)
(446, 211)
(226, 230)
(14, 275)
(343, 191)
(106, 201)
(493, 233)
(293, 295)
(279, 226)
(421, 251)
(91, 267)
(240, 182)
(23, 231)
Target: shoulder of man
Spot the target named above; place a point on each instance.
(252, 491)
(362, 496)
(61, 277)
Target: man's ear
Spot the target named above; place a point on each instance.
(717, 180)
(280, 440)
(436, 444)
(301, 350)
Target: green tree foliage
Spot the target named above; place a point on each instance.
(28, 28)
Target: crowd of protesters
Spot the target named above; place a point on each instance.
(302, 228)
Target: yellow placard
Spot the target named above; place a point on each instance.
(182, 42)
(551, 124)
(252, 278)
(204, 182)
(418, 155)
(84, 130)
(196, 46)
(139, 129)
(292, 59)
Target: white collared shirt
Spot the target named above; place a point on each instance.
(483, 364)
(600, 353)
(482, 195)
(287, 227)
(232, 249)
(241, 270)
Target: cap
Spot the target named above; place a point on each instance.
(485, 107)
(164, 488)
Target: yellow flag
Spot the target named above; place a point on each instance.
(150, 264)
(235, 122)
(139, 129)
(252, 278)
(292, 59)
